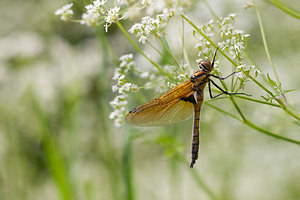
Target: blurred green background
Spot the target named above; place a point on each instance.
(56, 141)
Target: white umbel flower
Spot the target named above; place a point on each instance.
(93, 13)
(112, 16)
(65, 12)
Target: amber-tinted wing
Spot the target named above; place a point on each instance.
(166, 109)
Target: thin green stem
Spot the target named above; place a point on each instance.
(199, 180)
(288, 109)
(246, 98)
(266, 45)
(285, 8)
(151, 61)
(167, 48)
(150, 85)
(53, 156)
(256, 66)
(237, 108)
(257, 101)
(160, 53)
(250, 124)
(128, 167)
(203, 185)
(199, 31)
(270, 133)
(182, 39)
(211, 11)
(223, 111)
(260, 85)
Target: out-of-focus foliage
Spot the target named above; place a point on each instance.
(56, 141)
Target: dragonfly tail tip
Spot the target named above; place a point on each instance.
(192, 165)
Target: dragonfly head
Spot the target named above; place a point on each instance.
(206, 66)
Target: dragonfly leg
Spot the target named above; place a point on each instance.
(221, 77)
(213, 63)
(223, 91)
(210, 93)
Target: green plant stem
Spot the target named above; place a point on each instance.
(261, 75)
(182, 39)
(246, 98)
(53, 155)
(128, 167)
(250, 124)
(237, 108)
(200, 182)
(257, 101)
(109, 155)
(209, 40)
(288, 109)
(223, 111)
(266, 45)
(261, 86)
(167, 48)
(211, 11)
(151, 61)
(160, 53)
(285, 8)
(283, 105)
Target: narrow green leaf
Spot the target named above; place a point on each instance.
(271, 81)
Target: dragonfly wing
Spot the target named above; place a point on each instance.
(166, 109)
(163, 114)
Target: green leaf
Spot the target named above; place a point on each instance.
(271, 81)
(291, 90)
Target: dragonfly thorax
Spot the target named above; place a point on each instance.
(199, 79)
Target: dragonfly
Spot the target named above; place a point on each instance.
(179, 103)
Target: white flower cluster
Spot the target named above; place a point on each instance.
(244, 70)
(65, 12)
(122, 87)
(151, 27)
(146, 2)
(233, 40)
(203, 45)
(112, 16)
(178, 72)
(93, 13)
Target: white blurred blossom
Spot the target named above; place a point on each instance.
(122, 87)
(149, 27)
(93, 13)
(65, 12)
(111, 17)
(90, 19)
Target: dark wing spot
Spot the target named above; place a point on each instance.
(190, 98)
